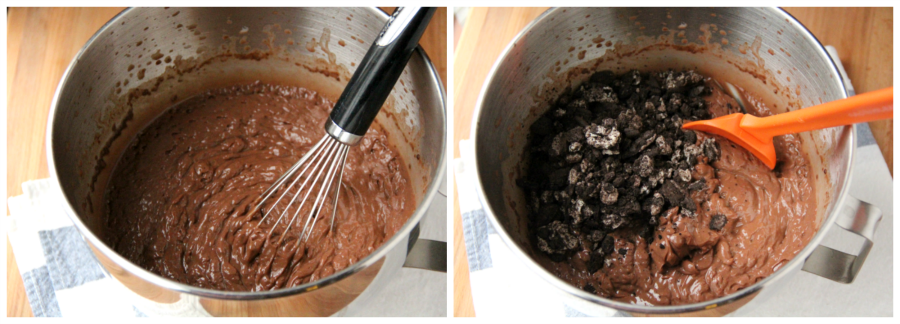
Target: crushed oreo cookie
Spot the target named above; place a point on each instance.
(717, 222)
(612, 155)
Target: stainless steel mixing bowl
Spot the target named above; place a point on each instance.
(764, 50)
(145, 59)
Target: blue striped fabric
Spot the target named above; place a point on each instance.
(70, 263)
(69, 258)
(40, 292)
(475, 231)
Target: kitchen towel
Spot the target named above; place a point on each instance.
(61, 275)
(502, 285)
(63, 278)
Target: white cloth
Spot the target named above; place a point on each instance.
(61, 275)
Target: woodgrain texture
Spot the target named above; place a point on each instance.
(41, 43)
(864, 40)
(863, 37)
(485, 35)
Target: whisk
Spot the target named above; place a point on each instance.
(351, 117)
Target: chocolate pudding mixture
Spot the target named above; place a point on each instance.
(640, 211)
(179, 200)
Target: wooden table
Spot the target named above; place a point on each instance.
(864, 41)
(41, 43)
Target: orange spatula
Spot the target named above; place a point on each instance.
(755, 133)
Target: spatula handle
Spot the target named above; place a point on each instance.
(866, 107)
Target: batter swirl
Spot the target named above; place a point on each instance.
(179, 199)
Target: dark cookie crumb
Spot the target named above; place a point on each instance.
(556, 238)
(717, 222)
(595, 262)
(611, 154)
(711, 149)
(608, 245)
(697, 185)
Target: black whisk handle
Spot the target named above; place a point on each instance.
(377, 73)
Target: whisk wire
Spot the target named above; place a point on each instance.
(337, 168)
(317, 159)
(338, 190)
(280, 181)
(330, 150)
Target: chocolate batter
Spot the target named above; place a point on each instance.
(179, 201)
(748, 221)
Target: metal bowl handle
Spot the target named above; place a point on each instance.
(425, 254)
(860, 218)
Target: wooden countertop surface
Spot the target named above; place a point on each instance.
(864, 40)
(41, 43)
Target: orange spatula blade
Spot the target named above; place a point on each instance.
(730, 127)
